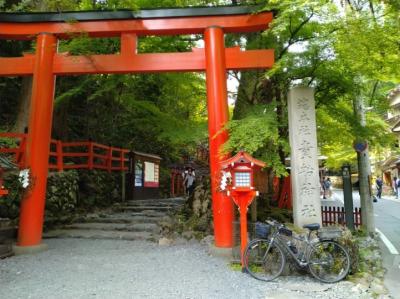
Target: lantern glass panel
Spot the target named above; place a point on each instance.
(242, 179)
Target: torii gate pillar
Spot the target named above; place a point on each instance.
(38, 140)
(218, 116)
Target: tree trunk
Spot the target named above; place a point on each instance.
(364, 174)
(24, 101)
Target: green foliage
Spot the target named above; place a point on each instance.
(257, 134)
(7, 142)
(98, 188)
(156, 113)
(367, 263)
(366, 41)
(67, 192)
(351, 243)
(235, 266)
(9, 204)
(62, 193)
(343, 54)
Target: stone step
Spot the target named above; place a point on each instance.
(125, 218)
(101, 234)
(144, 227)
(143, 208)
(5, 250)
(172, 199)
(176, 201)
(7, 233)
(164, 200)
(153, 204)
(150, 214)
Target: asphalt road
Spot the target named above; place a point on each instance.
(387, 221)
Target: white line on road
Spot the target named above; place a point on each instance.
(388, 244)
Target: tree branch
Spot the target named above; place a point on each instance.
(374, 88)
(293, 34)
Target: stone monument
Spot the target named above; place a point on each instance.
(304, 157)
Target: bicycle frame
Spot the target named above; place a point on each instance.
(319, 256)
(301, 257)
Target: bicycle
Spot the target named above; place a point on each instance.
(326, 259)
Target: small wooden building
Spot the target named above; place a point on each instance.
(143, 177)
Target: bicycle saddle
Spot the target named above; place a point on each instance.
(312, 226)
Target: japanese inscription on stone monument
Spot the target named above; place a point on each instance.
(304, 163)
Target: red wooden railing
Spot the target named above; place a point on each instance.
(177, 182)
(202, 153)
(336, 215)
(72, 155)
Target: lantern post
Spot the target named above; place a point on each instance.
(237, 180)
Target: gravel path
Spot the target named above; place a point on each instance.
(78, 268)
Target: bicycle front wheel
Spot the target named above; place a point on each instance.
(263, 260)
(329, 261)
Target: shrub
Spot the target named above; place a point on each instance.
(62, 193)
(66, 192)
(98, 188)
(9, 204)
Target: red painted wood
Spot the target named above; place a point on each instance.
(156, 26)
(218, 116)
(60, 157)
(336, 215)
(38, 140)
(285, 199)
(128, 44)
(139, 63)
(90, 150)
(109, 158)
(151, 184)
(74, 150)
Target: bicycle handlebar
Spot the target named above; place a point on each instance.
(280, 227)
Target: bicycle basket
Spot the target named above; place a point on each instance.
(262, 230)
(285, 231)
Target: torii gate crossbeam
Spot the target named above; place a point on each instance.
(45, 64)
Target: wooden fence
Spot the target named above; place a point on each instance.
(72, 155)
(177, 182)
(336, 215)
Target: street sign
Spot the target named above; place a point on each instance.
(360, 146)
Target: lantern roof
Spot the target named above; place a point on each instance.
(242, 157)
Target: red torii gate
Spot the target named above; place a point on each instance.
(214, 59)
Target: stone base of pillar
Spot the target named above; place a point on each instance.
(224, 252)
(20, 250)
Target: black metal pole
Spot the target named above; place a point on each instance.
(131, 163)
(348, 196)
(130, 177)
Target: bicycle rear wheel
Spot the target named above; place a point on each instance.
(329, 261)
(263, 260)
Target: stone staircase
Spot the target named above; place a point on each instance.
(132, 220)
(8, 234)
